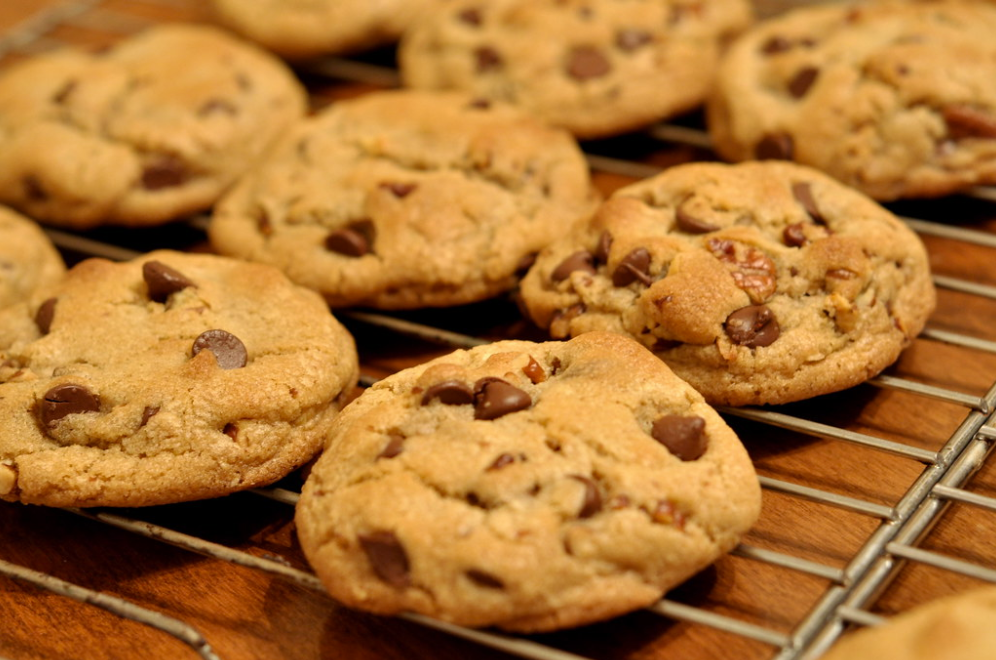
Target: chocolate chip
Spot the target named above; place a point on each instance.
(399, 189)
(534, 371)
(586, 62)
(66, 399)
(775, 146)
(487, 59)
(592, 502)
(752, 326)
(387, 557)
(231, 430)
(776, 44)
(630, 39)
(634, 266)
(470, 16)
(503, 460)
(450, 392)
(354, 240)
(793, 235)
(682, 435)
(45, 315)
(395, 444)
(581, 260)
(486, 580)
(162, 281)
(213, 106)
(803, 193)
(689, 223)
(164, 171)
(148, 413)
(229, 351)
(494, 398)
(965, 121)
(480, 104)
(802, 81)
(604, 245)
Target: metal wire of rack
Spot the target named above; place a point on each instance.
(852, 589)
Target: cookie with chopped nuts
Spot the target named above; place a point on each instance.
(763, 282)
(28, 259)
(954, 627)
(595, 67)
(148, 131)
(527, 486)
(897, 100)
(404, 199)
(169, 378)
(302, 30)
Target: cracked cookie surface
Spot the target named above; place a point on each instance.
(763, 282)
(169, 378)
(28, 259)
(595, 67)
(896, 99)
(150, 130)
(406, 199)
(528, 486)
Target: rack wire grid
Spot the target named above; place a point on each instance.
(902, 533)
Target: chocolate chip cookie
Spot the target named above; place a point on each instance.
(301, 29)
(957, 627)
(28, 260)
(528, 486)
(895, 99)
(403, 199)
(595, 67)
(148, 131)
(763, 282)
(169, 378)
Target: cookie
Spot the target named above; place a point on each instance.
(957, 627)
(28, 260)
(897, 100)
(173, 377)
(403, 199)
(146, 132)
(528, 486)
(304, 29)
(595, 67)
(763, 282)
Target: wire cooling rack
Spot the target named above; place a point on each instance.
(910, 536)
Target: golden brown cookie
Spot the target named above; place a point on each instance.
(28, 260)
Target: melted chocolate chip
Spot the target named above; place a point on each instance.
(775, 146)
(66, 399)
(495, 398)
(683, 436)
(164, 171)
(965, 121)
(793, 235)
(470, 16)
(803, 193)
(603, 247)
(162, 281)
(387, 557)
(776, 44)
(592, 502)
(229, 351)
(634, 266)
(395, 445)
(399, 189)
(480, 104)
(354, 240)
(689, 223)
(148, 413)
(503, 460)
(231, 430)
(534, 371)
(752, 326)
(586, 62)
(581, 260)
(45, 315)
(486, 580)
(450, 392)
(630, 39)
(487, 58)
(802, 81)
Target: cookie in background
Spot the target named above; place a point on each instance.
(28, 259)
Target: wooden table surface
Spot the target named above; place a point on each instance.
(854, 481)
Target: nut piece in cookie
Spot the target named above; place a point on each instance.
(407, 199)
(169, 378)
(758, 283)
(865, 92)
(148, 131)
(528, 486)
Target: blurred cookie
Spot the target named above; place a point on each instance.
(28, 260)
(763, 282)
(957, 627)
(405, 199)
(300, 29)
(148, 131)
(525, 486)
(595, 67)
(169, 378)
(895, 99)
